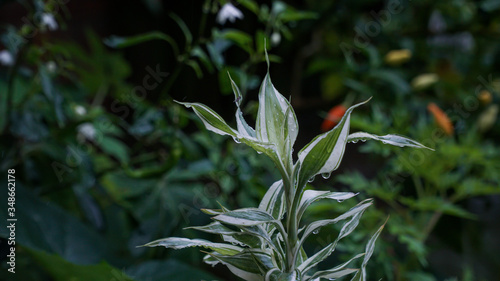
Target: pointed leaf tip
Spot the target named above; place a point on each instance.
(267, 56)
(238, 97)
(324, 153)
(395, 140)
(212, 121)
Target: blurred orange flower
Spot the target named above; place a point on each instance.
(441, 118)
(485, 97)
(333, 117)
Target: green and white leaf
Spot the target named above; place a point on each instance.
(243, 239)
(177, 243)
(273, 201)
(243, 128)
(251, 264)
(260, 232)
(276, 275)
(311, 196)
(314, 226)
(249, 237)
(245, 275)
(212, 121)
(213, 212)
(245, 217)
(338, 274)
(276, 120)
(355, 213)
(338, 271)
(215, 123)
(324, 153)
(370, 246)
(395, 140)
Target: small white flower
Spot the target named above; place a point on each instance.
(228, 12)
(51, 66)
(80, 110)
(6, 58)
(275, 38)
(87, 130)
(49, 21)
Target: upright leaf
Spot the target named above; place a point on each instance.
(324, 153)
(273, 201)
(276, 120)
(243, 128)
(370, 246)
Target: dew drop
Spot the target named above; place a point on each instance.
(340, 200)
(363, 140)
(259, 152)
(326, 175)
(311, 179)
(316, 231)
(236, 140)
(355, 141)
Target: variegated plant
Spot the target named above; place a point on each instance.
(265, 243)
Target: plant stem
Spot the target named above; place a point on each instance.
(292, 225)
(418, 186)
(431, 224)
(171, 80)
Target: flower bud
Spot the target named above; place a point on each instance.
(485, 97)
(441, 118)
(396, 57)
(333, 117)
(424, 81)
(487, 118)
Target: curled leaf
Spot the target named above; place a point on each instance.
(324, 153)
(387, 139)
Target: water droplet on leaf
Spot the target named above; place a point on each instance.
(311, 179)
(326, 175)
